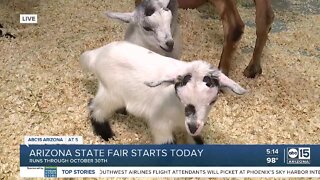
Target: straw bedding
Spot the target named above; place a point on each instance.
(44, 92)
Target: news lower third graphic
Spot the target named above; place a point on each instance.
(68, 157)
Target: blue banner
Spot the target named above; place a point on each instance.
(169, 155)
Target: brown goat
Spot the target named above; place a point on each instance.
(233, 28)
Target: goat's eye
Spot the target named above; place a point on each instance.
(147, 28)
(186, 79)
(189, 110)
(149, 11)
(210, 82)
(215, 82)
(182, 81)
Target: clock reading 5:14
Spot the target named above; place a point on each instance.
(272, 151)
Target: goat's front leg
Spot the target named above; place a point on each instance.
(195, 139)
(233, 28)
(162, 132)
(264, 19)
(102, 107)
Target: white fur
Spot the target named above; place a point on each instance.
(163, 22)
(123, 70)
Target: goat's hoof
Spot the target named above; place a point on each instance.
(171, 142)
(198, 140)
(102, 129)
(252, 71)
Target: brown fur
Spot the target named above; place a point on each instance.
(233, 28)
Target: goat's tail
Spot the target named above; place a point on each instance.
(87, 61)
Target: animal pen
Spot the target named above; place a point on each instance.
(45, 92)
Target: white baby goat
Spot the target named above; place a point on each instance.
(153, 25)
(168, 93)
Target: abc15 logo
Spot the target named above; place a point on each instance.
(299, 153)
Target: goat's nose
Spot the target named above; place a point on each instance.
(192, 127)
(170, 45)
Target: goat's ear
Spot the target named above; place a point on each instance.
(158, 83)
(174, 76)
(124, 17)
(229, 83)
(179, 81)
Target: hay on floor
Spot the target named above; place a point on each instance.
(44, 92)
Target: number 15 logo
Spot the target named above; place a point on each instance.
(304, 153)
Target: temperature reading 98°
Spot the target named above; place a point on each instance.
(272, 160)
(272, 156)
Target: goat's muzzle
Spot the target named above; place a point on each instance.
(194, 128)
(169, 46)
